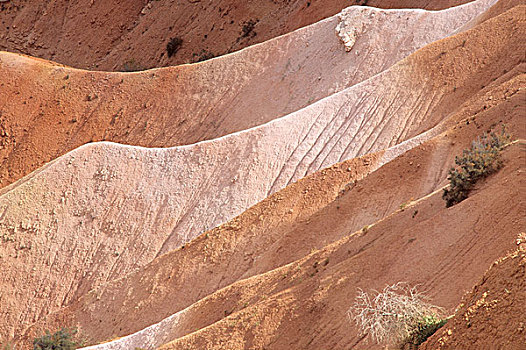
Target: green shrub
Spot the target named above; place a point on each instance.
(481, 160)
(173, 46)
(60, 340)
(422, 329)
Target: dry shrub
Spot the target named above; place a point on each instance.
(248, 28)
(399, 314)
(202, 56)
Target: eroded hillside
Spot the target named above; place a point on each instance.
(134, 35)
(241, 202)
(58, 109)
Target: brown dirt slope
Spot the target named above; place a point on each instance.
(503, 83)
(281, 229)
(91, 214)
(492, 314)
(112, 35)
(308, 310)
(303, 304)
(47, 110)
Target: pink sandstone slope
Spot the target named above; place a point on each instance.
(49, 110)
(112, 35)
(90, 204)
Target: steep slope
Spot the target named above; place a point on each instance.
(47, 110)
(310, 312)
(112, 35)
(134, 195)
(281, 229)
(495, 10)
(285, 307)
(492, 314)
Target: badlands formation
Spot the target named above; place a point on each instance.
(241, 202)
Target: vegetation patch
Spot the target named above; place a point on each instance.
(132, 66)
(60, 340)
(398, 315)
(478, 162)
(202, 56)
(173, 46)
(422, 330)
(248, 29)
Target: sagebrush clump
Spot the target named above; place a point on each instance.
(202, 56)
(173, 46)
(399, 315)
(481, 160)
(60, 340)
(132, 66)
(248, 28)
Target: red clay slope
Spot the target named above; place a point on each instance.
(492, 314)
(112, 34)
(47, 110)
(106, 265)
(491, 117)
(272, 234)
(303, 304)
(307, 308)
(109, 209)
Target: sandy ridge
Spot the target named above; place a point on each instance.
(311, 150)
(42, 101)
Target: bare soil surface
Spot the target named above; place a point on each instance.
(492, 313)
(322, 285)
(260, 236)
(283, 307)
(47, 110)
(107, 207)
(116, 35)
(280, 229)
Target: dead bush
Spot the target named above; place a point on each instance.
(398, 315)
